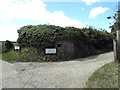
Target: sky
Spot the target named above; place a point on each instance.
(15, 14)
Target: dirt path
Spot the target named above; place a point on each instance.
(68, 74)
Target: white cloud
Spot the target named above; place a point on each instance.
(33, 10)
(89, 2)
(6, 21)
(96, 11)
(58, 18)
(80, 0)
(111, 20)
(109, 30)
(7, 33)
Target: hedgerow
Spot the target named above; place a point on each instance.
(87, 41)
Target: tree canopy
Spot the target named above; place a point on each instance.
(116, 17)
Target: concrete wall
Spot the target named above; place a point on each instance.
(65, 46)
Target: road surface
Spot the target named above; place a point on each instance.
(67, 74)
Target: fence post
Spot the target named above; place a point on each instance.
(114, 49)
(118, 45)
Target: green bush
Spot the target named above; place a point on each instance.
(87, 41)
(46, 35)
(6, 46)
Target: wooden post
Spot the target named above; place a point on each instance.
(114, 49)
(118, 45)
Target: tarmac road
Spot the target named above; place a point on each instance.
(68, 74)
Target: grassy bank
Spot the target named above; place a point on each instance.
(105, 77)
(32, 55)
(16, 56)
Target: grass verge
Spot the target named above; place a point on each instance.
(31, 54)
(14, 56)
(105, 77)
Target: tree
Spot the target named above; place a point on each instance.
(116, 17)
(6, 46)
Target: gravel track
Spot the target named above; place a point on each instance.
(67, 74)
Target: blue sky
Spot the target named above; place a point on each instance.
(17, 13)
(80, 11)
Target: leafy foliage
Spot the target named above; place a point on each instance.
(38, 36)
(6, 46)
(116, 18)
(87, 41)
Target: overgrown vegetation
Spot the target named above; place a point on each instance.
(42, 36)
(24, 56)
(31, 55)
(105, 77)
(7, 46)
(115, 20)
(87, 41)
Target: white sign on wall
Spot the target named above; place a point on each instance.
(17, 47)
(50, 51)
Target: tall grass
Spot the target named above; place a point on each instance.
(16, 56)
